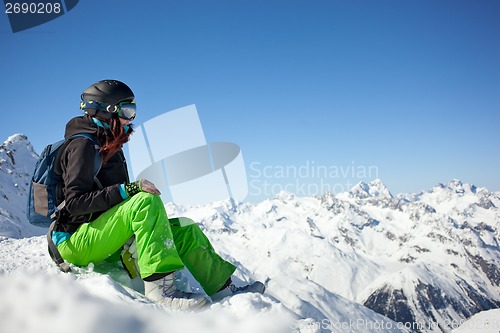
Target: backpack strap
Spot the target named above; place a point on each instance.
(54, 252)
(97, 146)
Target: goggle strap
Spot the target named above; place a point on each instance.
(93, 106)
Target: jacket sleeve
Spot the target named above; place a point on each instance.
(77, 164)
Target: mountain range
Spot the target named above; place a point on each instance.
(359, 261)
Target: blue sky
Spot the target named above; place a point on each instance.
(409, 87)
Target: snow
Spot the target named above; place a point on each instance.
(50, 302)
(483, 322)
(321, 259)
(37, 297)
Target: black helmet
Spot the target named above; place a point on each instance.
(110, 92)
(103, 97)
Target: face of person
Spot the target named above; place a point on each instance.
(124, 122)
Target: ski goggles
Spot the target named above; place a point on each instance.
(125, 110)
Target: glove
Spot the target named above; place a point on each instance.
(142, 185)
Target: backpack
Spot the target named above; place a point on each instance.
(42, 205)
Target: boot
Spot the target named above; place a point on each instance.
(231, 289)
(164, 291)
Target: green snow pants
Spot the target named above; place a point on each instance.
(163, 245)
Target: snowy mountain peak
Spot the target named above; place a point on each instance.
(16, 137)
(456, 186)
(16, 141)
(460, 188)
(374, 189)
(285, 196)
(16, 151)
(17, 162)
(462, 198)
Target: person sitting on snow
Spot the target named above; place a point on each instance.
(100, 215)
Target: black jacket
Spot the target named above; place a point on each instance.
(84, 200)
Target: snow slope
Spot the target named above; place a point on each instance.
(484, 322)
(345, 263)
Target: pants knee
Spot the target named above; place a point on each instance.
(147, 207)
(147, 198)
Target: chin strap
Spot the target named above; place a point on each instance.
(106, 125)
(100, 123)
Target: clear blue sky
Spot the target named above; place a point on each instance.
(411, 87)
